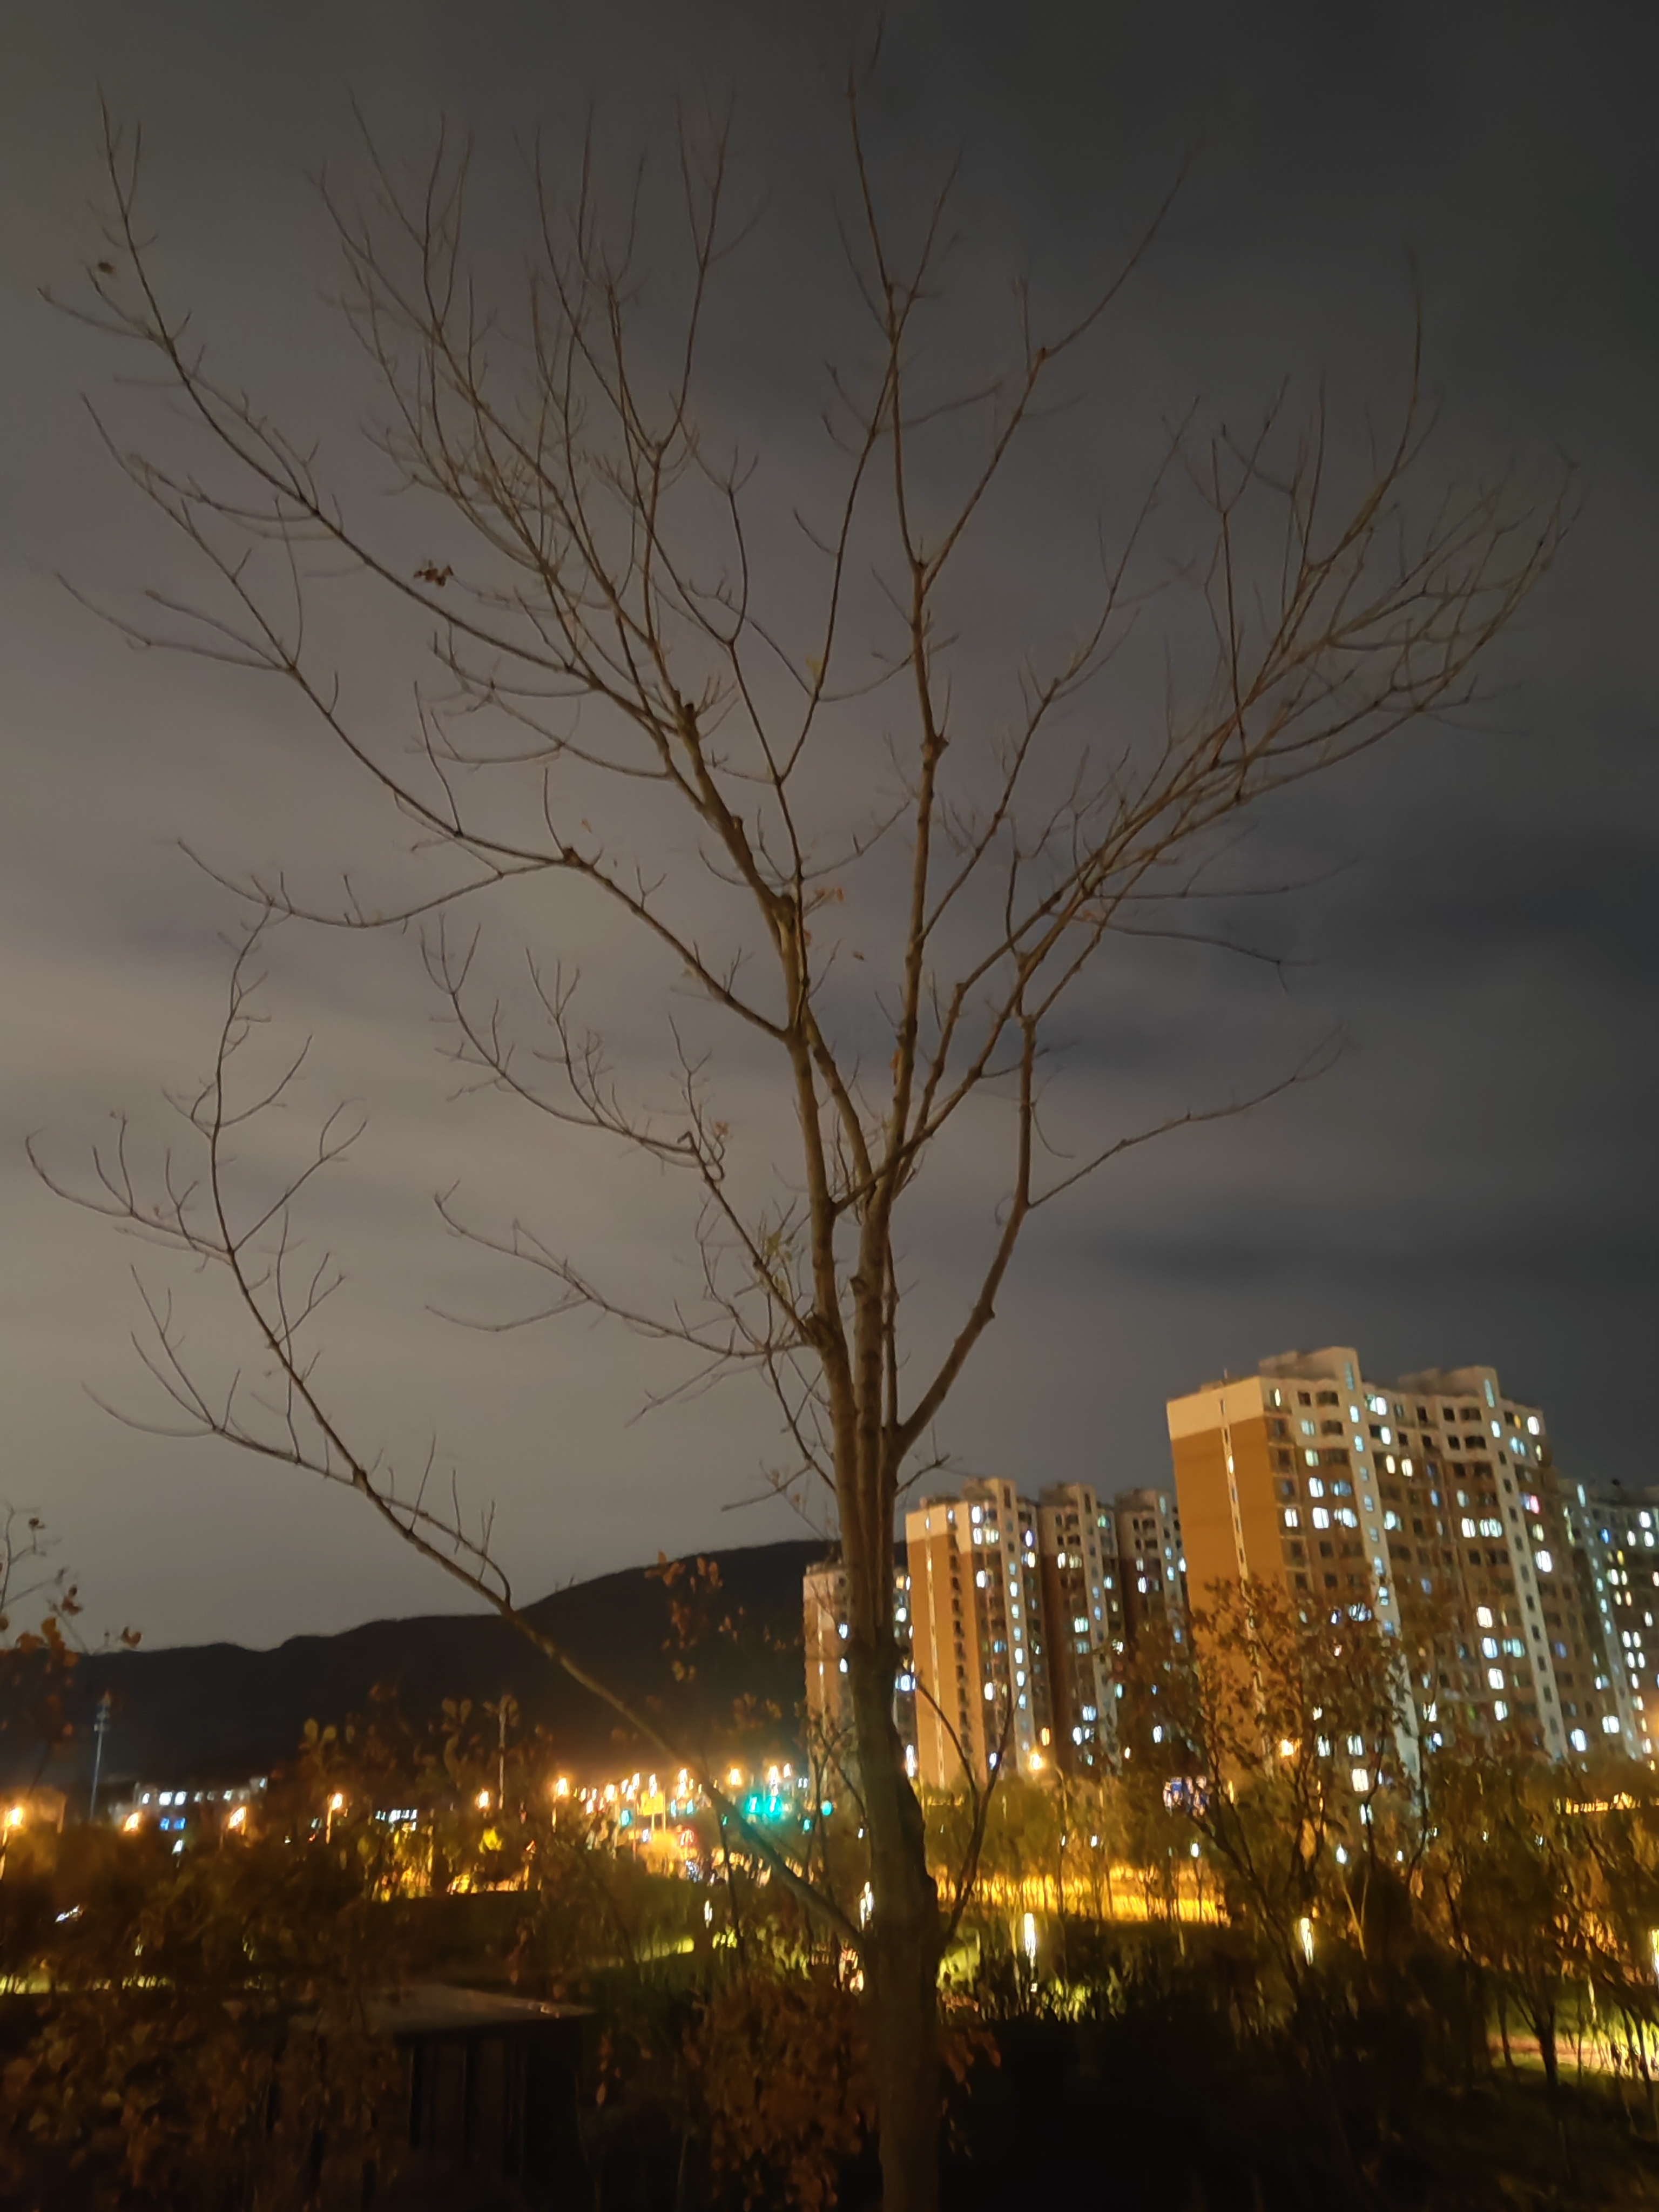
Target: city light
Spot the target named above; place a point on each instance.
(337, 1802)
(15, 1816)
(238, 1818)
(132, 1825)
(483, 1801)
(1304, 1931)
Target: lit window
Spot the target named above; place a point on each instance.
(1292, 1517)
(1495, 1678)
(1532, 1425)
(1609, 1724)
(1500, 1710)
(1579, 1740)
(1489, 1647)
(1320, 1518)
(1315, 1488)
(1465, 1524)
(1312, 1458)
(1546, 1564)
(1483, 1614)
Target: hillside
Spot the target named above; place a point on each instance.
(219, 1712)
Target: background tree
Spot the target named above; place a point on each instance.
(884, 868)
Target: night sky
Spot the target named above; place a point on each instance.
(1473, 1180)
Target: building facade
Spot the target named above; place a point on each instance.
(1433, 1502)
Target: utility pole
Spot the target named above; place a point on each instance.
(501, 1761)
(99, 1728)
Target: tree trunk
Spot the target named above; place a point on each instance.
(901, 1952)
(1543, 2022)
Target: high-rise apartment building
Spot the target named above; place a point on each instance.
(982, 1666)
(1024, 1611)
(1151, 1559)
(828, 1694)
(1622, 1538)
(1433, 1502)
(1082, 1628)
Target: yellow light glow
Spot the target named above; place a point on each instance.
(1286, 1749)
(133, 1822)
(239, 1818)
(483, 1801)
(15, 1817)
(561, 1787)
(337, 1802)
(734, 1779)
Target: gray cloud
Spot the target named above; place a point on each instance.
(1472, 1179)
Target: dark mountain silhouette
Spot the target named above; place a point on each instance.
(719, 1661)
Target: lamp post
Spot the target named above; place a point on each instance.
(99, 1728)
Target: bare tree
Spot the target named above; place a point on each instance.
(609, 657)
